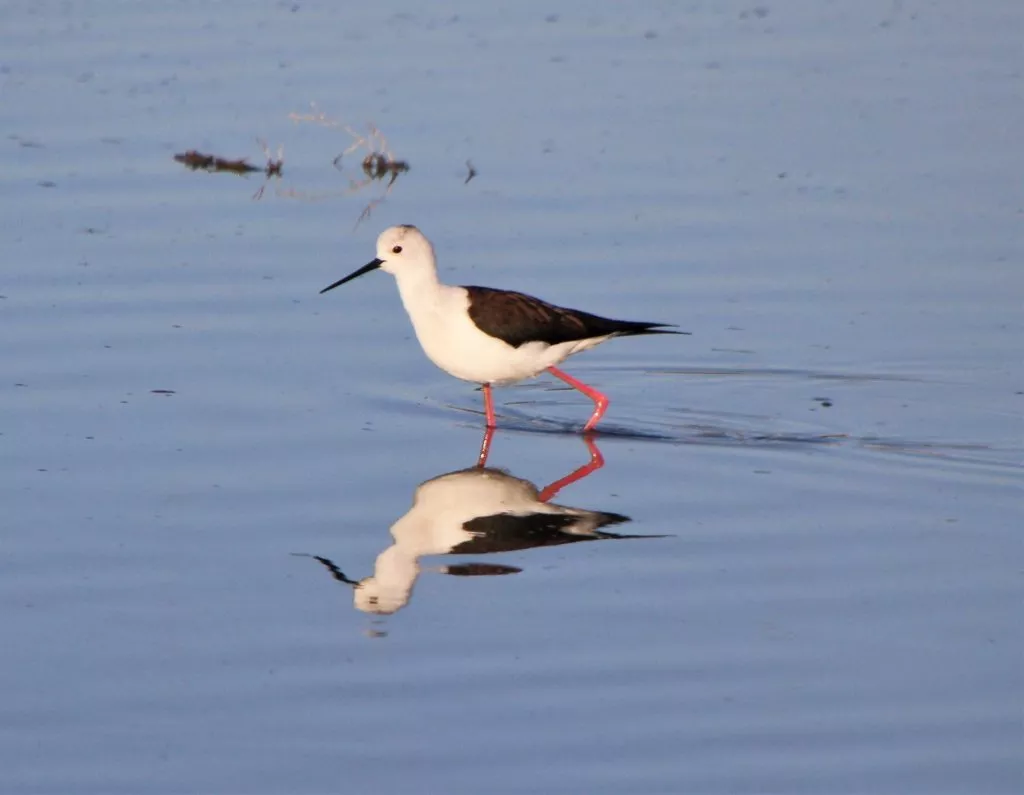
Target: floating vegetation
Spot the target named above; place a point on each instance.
(373, 168)
(379, 163)
(198, 161)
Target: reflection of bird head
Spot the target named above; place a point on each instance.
(388, 589)
(373, 596)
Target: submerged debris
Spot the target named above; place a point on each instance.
(378, 164)
(197, 161)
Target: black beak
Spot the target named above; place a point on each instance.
(329, 564)
(369, 266)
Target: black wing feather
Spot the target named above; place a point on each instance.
(517, 318)
(506, 532)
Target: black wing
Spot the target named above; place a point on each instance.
(506, 532)
(517, 318)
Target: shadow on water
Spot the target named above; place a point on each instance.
(479, 510)
(774, 372)
(515, 421)
(735, 434)
(725, 434)
(529, 415)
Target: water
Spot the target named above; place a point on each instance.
(828, 198)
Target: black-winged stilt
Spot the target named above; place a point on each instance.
(491, 336)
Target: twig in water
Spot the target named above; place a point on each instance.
(197, 161)
(378, 164)
(274, 165)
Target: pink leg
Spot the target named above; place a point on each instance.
(600, 401)
(485, 448)
(595, 463)
(489, 406)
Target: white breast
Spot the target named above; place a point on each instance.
(440, 316)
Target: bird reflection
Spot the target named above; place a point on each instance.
(476, 511)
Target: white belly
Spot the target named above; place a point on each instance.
(457, 346)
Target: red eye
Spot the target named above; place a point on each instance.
(396, 250)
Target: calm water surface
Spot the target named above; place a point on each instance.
(199, 455)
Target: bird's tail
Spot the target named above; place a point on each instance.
(632, 328)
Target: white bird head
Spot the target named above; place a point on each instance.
(400, 249)
(381, 598)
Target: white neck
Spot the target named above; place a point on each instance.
(394, 575)
(420, 290)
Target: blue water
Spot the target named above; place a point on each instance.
(828, 198)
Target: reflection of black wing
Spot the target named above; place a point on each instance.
(479, 569)
(506, 532)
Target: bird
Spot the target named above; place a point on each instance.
(474, 511)
(489, 336)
